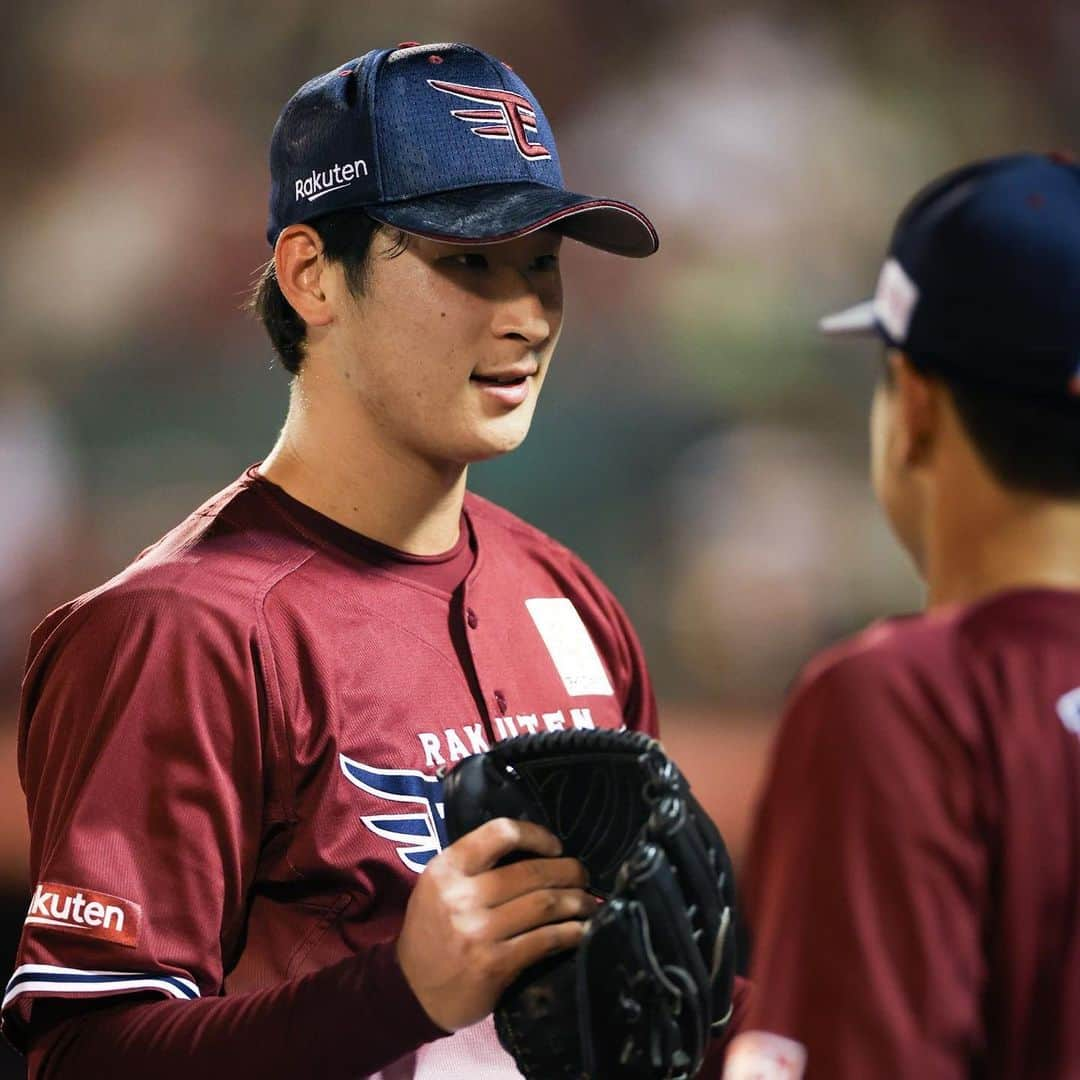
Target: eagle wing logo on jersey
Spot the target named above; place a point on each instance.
(418, 835)
(507, 116)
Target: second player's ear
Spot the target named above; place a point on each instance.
(301, 269)
(918, 410)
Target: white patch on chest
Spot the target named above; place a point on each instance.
(568, 643)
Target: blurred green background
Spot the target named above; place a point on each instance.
(696, 441)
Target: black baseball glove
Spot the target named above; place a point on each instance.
(653, 977)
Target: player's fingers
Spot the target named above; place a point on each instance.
(503, 883)
(539, 908)
(517, 953)
(485, 846)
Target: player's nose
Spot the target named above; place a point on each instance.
(524, 311)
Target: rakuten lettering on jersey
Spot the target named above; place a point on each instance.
(98, 915)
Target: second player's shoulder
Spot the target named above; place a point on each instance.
(887, 648)
(904, 678)
(1024, 619)
(948, 650)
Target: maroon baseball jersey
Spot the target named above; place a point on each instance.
(914, 877)
(232, 751)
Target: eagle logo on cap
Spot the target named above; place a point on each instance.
(507, 116)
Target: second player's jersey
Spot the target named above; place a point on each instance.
(233, 751)
(914, 880)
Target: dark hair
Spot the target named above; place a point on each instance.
(1029, 441)
(346, 237)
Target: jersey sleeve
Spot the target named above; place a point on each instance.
(864, 881)
(141, 755)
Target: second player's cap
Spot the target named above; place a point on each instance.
(982, 276)
(442, 141)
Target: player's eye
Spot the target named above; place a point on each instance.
(546, 263)
(471, 260)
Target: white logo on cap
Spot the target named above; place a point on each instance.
(895, 300)
(322, 181)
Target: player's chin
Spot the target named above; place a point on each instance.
(495, 437)
(500, 431)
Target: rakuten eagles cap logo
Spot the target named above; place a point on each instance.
(95, 914)
(321, 182)
(505, 115)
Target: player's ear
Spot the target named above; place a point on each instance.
(301, 270)
(918, 412)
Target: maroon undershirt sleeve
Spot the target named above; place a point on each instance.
(345, 1021)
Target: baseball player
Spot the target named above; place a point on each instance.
(233, 751)
(914, 877)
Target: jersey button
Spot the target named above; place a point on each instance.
(500, 701)
(471, 619)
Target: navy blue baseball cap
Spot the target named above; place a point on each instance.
(982, 277)
(442, 141)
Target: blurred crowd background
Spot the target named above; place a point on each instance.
(696, 441)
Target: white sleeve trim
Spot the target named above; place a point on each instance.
(50, 979)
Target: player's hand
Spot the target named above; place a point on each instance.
(470, 926)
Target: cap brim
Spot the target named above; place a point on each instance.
(859, 320)
(493, 213)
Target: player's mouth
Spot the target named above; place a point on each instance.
(509, 387)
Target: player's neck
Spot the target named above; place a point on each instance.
(345, 470)
(980, 546)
